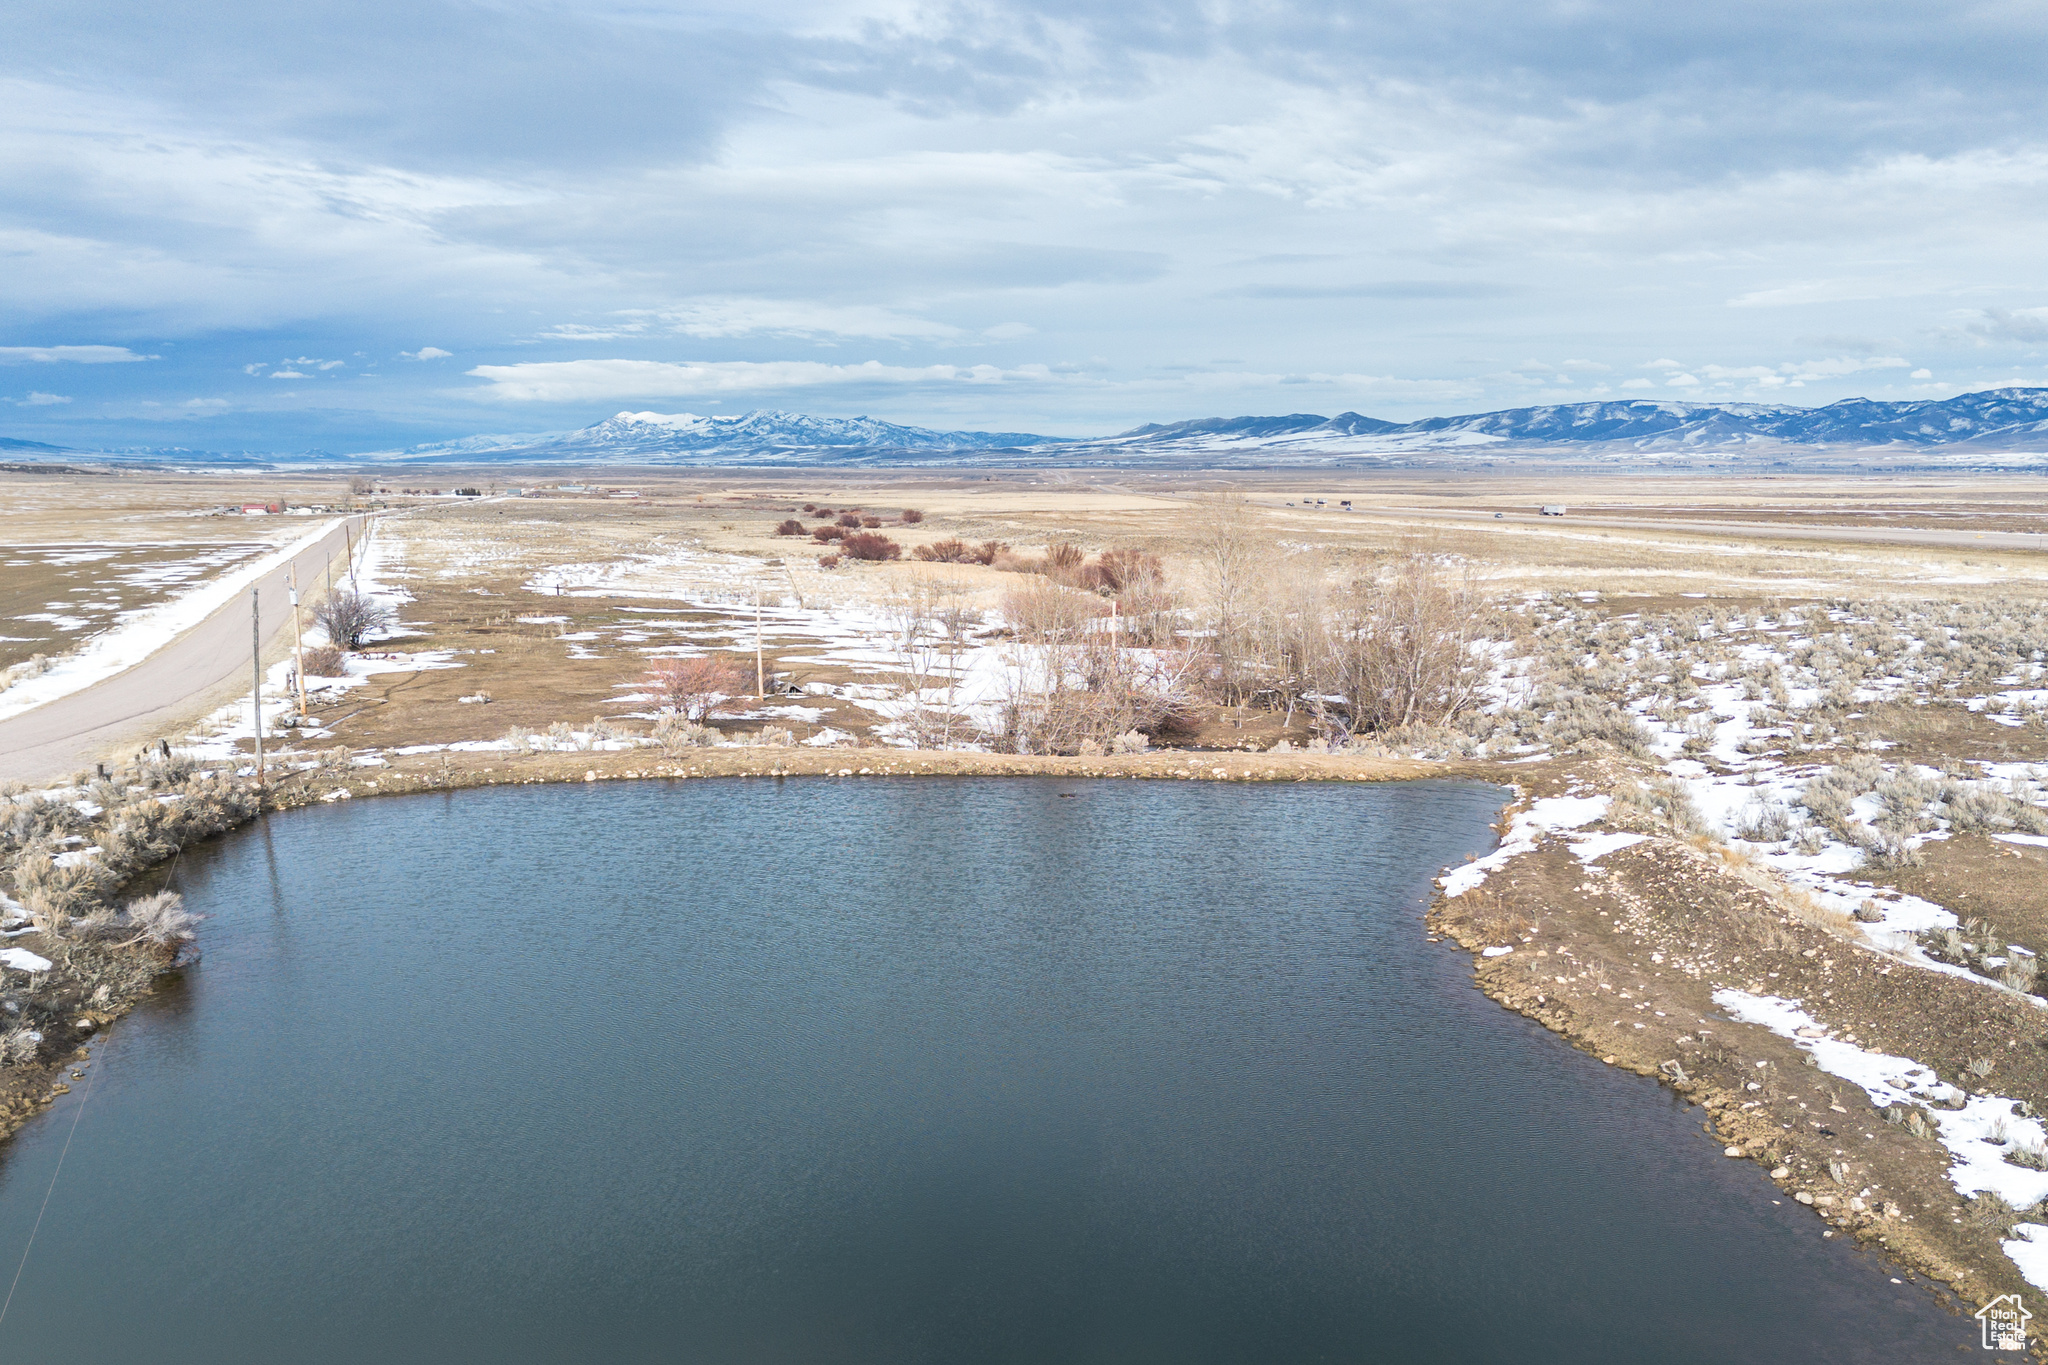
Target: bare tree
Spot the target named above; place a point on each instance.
(932, 618)
(349, 616)
(689, 687)
(1404, 652)
(1228, 547)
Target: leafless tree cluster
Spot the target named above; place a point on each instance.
(348, 617)
(1385, 645)
(1403, 647)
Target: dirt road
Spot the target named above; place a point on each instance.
(199, 669)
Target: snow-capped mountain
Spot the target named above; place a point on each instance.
(2011, 419)
(2002, 427)
(686, 438)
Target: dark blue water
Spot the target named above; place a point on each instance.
(886, 1071)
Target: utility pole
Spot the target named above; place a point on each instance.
(256, 672)
(349, 542)
(760, 672)
(298, 644)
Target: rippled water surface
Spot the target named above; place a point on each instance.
(886, 1071)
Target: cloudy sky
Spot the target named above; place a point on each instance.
(242, 225)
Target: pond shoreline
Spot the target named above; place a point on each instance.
(27, 1090)
(1552, 907)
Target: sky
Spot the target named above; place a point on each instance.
(244, 226)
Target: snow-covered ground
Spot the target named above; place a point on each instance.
(1733, 730)
(1979, 1135)
(143, 632)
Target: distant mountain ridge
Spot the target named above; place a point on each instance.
(653, 435)
(2006, 416)
(2002, 427)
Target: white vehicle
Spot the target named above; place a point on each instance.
(1552, 509)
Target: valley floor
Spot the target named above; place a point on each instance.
(1779, 832)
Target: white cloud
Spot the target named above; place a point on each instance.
(75, 355)
(1682, 381)
(427, 353)
(1922, 374)
(2024, 326)
(1822, 291)
(1639, 383)
(289, 374)
(731, 317)
(574, 381)
(742, 316)
(205, 404)
(1661, 365)
(40, 400)
(578, 331)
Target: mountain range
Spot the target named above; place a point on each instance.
(2007, 427)
(1995, 418)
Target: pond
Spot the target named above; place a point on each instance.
(920, 1070)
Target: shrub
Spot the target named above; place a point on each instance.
(953, 551)
(325, 661)
(868, 545)
(1663, 806)
(674, 733)
(347, 617)
(823, 514)
(826, 534)
(688, 687)
(1764, 822)
(1579, 718)
(1120, 569)
(871, 522)
(850, 520)
(810, 507)
(911, 516)
(791, 527)
(161, 919)
(828, 561)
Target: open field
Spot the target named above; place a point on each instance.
(1780, 746)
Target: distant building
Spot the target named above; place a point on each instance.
(261, 509)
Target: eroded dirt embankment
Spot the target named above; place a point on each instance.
(1622, 956)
